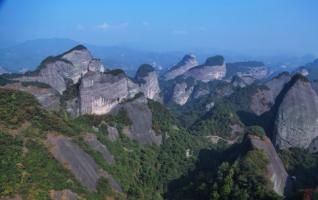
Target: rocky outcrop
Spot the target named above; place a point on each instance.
(64, 69)
(141, 121)
(276, 171)
(296, 123)
(188, 62)
(47, 96)
(101, 92)
(95, 144)
(147, 78)
(112, 133)
(213, 69)
(181, 93)
(254, 69)
(63, 195)
(265, 97)
(82, 165)
(242, 81)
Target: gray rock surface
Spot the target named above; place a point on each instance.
(72, 107)
(188, 62)
(276, 171)
(141, 118)
(112, 133)
(101, 92)
(181, 93)
(63, 195)
(60, 70)
(82, 165)
(211, 70)
(47, 97)
(147, 78)
(93, 142)
(297, 118)
(265, 98)
(242, 81)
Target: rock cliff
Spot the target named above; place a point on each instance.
(64, 69)
(181, 93)
(213, 69)
(187, 62)
(147, 79)
(101, 92)
(296, 122)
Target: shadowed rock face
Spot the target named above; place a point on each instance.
(147, 78)
(188, 62)
(181, 93)
(297, 118)
(276, 171)
(84, 168)
(213, 69)
(92, 141)
(101, 92)
(63, 195)
(141, 118)
(47, 97)
(264, 99)
(70, 66)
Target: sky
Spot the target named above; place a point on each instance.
(246, 26)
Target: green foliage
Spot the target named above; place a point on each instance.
(35, 84)
(71, 92)
(115, 72)
(4, 81)
(144, 69)
(215, 60)
(256, 130)
(216, 122)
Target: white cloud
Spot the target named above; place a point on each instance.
(104, 26)
(179, 32)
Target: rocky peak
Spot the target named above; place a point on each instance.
(69, 67)
(296, 122)
(275, 170)
(147, 78)
(101, 92)
(213, 69)
(188, 61)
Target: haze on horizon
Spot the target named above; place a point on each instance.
(251, 27)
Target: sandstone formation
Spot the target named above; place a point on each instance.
(82, 165)
(101, 92)
(147, 78)
(297, 117)
(95, 144)
(141, 118)
(188, 62)
(65, 69)
(276, 171)
(213, 69)
(181, 93)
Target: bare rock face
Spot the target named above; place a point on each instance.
(47, 96)
(147, 78)
(101, 92)
(63, 195)
(296, 124)
(141, 118)
(242, 81)
(181, 93)
(93, 142)
(213, 69)
(264, 99)
(188, 62)
(276, 171)
(82, 165)
(68, 67)
(112, 133)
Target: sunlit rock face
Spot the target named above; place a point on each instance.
(147, 79)
(188, 62)
(213, 69)
(101, 92)
(181, 93)
(264, 98)
(276, 172)
(64, 69)
(297, 117)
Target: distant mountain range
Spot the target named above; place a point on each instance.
(28, 55)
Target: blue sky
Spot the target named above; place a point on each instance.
(247, 26)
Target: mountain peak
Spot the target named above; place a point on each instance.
(214, 60)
